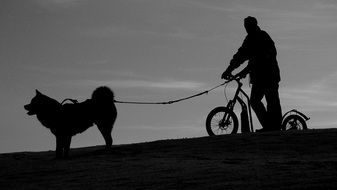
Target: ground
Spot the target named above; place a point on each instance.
(276, 160)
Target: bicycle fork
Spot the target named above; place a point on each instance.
(246, 113)
(226, 118)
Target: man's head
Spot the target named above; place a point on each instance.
(251, 24)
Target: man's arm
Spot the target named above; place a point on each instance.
(244, 72)
(239, 57)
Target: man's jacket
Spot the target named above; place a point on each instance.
(259, 49)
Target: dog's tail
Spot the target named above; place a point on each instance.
(103, 93)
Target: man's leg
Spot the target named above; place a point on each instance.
(274, 107)
(256, 96)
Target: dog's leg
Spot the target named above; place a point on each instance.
(67, 142)
(105, 130)
(59, 147)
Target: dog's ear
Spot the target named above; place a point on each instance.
(38, 92)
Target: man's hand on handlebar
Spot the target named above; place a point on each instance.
(240, 75)
(226, 75)
(229, 76)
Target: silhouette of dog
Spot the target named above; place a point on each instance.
(67, 120)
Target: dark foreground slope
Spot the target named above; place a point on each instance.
(291, 160)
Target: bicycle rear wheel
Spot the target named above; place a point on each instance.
(221, 121)
(294, 122)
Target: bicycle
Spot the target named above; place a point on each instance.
(223, 120)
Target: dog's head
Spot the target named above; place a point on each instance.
(37, 103)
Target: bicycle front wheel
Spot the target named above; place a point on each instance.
(221, 121)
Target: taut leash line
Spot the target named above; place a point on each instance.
(172, 101)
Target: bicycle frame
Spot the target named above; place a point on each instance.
(243, 104)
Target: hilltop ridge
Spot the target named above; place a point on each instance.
(276, 160)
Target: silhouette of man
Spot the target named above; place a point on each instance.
(260, 52)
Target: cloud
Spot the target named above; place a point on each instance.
(155, 30)
(319, 95)
(147, 84)
(326, 5)
(51, 4)
(208, 5)
(308, 99)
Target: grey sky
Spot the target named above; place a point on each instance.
(154, 50)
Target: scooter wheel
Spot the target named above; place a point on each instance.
(221, 121)
(294, 122)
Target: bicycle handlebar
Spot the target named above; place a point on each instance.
(237, 78)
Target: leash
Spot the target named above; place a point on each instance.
(172, 101)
